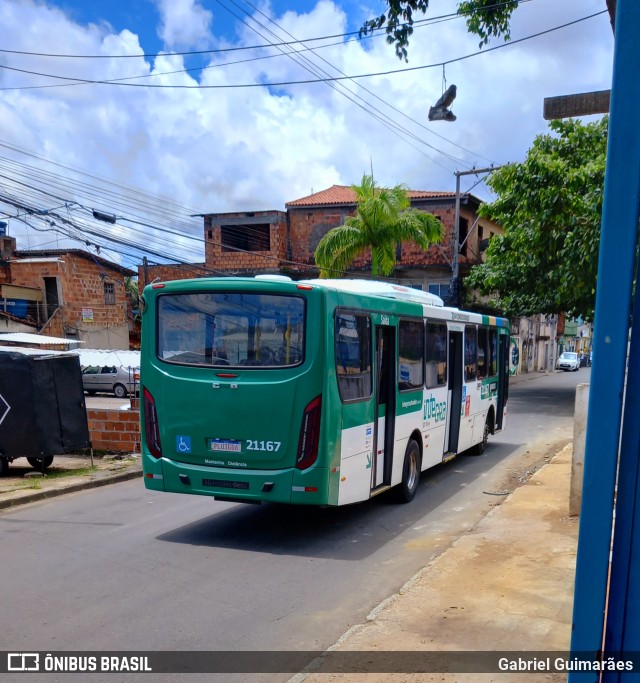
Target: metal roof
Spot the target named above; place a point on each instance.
(36, 339)
(102, 357)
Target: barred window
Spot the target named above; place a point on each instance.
(109, 293)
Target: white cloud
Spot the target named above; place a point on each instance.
(185, 24)
(238, 149)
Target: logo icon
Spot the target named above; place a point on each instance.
(183, 444)
(23, 661)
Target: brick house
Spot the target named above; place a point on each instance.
(249, 243)
(73, 293)
(310, 218)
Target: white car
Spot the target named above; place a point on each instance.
(120, 381)
(568, 361)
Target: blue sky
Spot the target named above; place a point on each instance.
(207, 145)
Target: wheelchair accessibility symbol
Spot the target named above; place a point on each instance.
(183, 444)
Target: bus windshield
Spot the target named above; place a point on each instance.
(231, 329)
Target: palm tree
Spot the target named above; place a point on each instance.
(383, 218)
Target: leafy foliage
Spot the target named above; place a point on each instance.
(550, 207)
(383, 218)
(485, 18)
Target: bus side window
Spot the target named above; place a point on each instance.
(353, 356)
(493, 353)
(436, 355)
(483, 351)
(470, 352)
(410, 355)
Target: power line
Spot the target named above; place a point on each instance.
(75, 80)
(148, 55)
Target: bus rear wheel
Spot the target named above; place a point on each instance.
(410, 473)
(481, 447)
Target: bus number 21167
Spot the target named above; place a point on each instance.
(271, 446)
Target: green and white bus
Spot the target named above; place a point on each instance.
(319, 392)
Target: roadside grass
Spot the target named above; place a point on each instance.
(59, 474)
(36, 484)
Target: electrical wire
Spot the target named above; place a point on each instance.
(190, 53)
(275, 84)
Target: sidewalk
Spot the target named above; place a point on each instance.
(67, 474)
(505, 585)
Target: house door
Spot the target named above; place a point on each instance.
(51, 295)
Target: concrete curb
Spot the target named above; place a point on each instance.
(70, 488)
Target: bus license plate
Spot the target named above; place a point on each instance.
(220, 484)
(225, 446)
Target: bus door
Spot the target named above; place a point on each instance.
(503, 377)
(385, 405)
(455, 385)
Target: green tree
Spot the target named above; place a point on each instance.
(383, 219)
(550, 207)
(485, 18)
(131, 288)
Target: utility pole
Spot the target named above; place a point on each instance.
(455, 285)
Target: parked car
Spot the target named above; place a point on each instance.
(120, 381)
(568, 361)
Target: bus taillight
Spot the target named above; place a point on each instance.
(309, 435)
(151, 426)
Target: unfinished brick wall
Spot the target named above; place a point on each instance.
(82, 298)
(166, 273)
(249, 261)
(307, 226)
(114, 430)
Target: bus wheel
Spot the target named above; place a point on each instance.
(39, 464)
(410, 473)
(481, 447)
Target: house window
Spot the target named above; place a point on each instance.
(109, 293)
(256, 237)
(462, 235)
(440, 289)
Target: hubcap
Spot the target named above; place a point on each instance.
(413, 470)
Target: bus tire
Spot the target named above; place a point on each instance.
(481, 447)
(408, 487)
(40, 463)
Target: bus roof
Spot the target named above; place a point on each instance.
(375, 288)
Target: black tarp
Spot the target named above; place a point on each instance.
(42, 409)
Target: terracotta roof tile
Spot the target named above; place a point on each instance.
(343, 194)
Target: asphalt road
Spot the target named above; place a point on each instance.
(121, 568)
